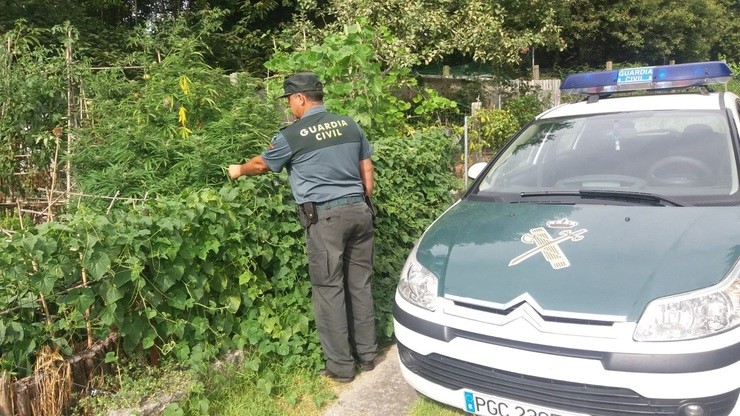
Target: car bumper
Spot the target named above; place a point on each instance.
(443, 367)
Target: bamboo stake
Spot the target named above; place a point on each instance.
(7, 80)
(35, 269)
(99, 68)
(83, 106)
(88, 325)
(70, 104)
(127, 199)
(54, 161)
(20, 215)
(112, 202)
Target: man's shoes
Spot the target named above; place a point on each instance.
(367, 365)
(335, 377)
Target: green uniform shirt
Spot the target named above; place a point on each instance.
(321, 152)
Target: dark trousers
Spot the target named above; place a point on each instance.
(340, 261)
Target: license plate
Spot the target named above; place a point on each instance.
(482, 404)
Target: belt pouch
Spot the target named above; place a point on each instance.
(309, 214)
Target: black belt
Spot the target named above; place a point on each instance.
(350, 199)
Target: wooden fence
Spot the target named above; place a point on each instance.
(489, 92)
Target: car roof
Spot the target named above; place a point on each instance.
(649, 102)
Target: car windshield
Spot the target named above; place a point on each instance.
(674, 154)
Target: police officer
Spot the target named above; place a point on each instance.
(331, 175)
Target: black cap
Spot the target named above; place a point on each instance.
(301, 82)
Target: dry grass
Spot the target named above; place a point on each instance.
(53, 383)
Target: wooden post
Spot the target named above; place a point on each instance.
(6, 395)
(70, 104)
(24, 395)
(608, 65)
(446, 71)
(475, 106)
(535, 72)
(7, 81)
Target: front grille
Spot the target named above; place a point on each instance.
(581, 398)
(504, 312)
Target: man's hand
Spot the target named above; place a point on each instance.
(235, 171)
(254, 166)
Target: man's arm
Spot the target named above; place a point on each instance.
(255, 166)
(367, 175)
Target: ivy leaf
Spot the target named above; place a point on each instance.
(29, 241)
(107, 316)
(265, 385)
(232, 303)
(292, 398)
(16, 329)
(44, 283)
(246, 277)
(98, 264)
(113, 295)
(81, 298)
(178, 299)
(147, 342)
(283, 349)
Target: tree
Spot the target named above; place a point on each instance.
(499, 33)
(241, 40)
(33, 104)
(728, 30)
(643, 31)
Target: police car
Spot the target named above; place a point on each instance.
(593, 267)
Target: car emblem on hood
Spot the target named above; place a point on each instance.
(548, 246)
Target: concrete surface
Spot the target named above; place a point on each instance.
(380, 392)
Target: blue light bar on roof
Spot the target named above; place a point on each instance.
(647, 78)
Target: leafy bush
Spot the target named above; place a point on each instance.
(32, 108)
(492, 128)
(194, 273)
(357, 85)
(734, 84)
(524, 107)
(200, 273)
(174, 126)
(414, 185)
(192, 276)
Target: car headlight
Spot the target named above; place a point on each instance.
(693, 315)
(417, 284)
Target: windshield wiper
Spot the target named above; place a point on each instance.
(548, 193)
(629, 196)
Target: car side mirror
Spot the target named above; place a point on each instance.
(476, 169)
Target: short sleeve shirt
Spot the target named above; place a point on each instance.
(321, 152)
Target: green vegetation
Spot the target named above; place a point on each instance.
(171, 124)
(493, 127)
(205, 265)
(132, 109)
(428, 407)
(227, 389)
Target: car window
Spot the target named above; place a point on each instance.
(671, 153)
